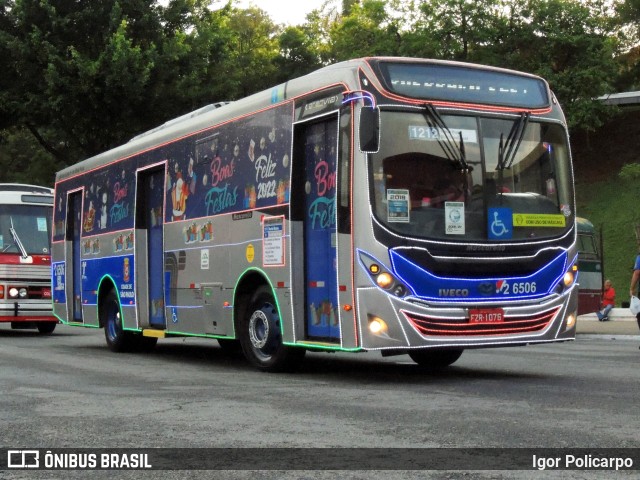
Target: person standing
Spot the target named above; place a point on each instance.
(608, 301)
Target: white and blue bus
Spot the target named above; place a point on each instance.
(399, 205)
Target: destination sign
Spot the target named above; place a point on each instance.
(465, 84)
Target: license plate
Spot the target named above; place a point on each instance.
(486, 315)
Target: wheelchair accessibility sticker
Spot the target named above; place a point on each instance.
(500, 223)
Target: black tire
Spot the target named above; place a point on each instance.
(261, 336)
(46, 328)
(118, 340)
(434, 359)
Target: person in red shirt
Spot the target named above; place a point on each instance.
(608, 301)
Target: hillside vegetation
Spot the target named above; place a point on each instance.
(610, 202)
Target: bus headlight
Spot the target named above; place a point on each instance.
(568, 278)
(15, 292)
(571, 320)
(382, 277)
(384, 280)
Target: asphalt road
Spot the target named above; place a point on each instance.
(69, 390)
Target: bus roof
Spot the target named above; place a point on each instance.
(24, 188)
(17, 194)
(343, 74)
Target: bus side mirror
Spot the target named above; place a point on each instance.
(369, 129)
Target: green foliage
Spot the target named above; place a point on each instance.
(82, 77)
(630, 172)
(367, 30)
(22, 160)
(609, 206)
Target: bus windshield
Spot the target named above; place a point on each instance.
(31, 224)
(471, 178)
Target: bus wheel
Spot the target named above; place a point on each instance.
(435, 359)
(261, 336)
(46, 328)
(117, 339)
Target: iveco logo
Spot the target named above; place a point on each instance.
(486, 288)
(453, 292)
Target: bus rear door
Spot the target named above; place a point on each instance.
(149, 243)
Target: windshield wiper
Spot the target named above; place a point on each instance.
(507, 149)
(454, 152)
(16, 239)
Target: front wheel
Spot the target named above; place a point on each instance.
(261, 336)
(435, 359)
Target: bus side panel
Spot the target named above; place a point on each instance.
(197, 277)
(120, 269)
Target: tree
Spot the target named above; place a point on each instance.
(298, 54)
(458, 29)
(572, 45)
(80, 71)
(83, 77)
(367, 29)
(252, 51)
(23, 160)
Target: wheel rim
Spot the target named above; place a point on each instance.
(113, 322)
(263, 332)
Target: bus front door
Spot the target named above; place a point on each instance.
(320, 159)
(74, 229)
(150, 245)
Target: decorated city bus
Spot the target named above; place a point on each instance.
(397, 205)
(591, 281)
(25, 257)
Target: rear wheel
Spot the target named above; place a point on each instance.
(118, 340)
(261, 336)
(435, 359)
(46, 328)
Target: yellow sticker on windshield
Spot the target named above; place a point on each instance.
(538, 220)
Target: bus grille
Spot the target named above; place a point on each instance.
(438, 327)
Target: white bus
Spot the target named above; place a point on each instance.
(25, 257)
(400, 205)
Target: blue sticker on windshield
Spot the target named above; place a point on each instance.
(500, 223)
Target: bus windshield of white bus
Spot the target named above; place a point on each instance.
(471, 178)
(31, 226)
